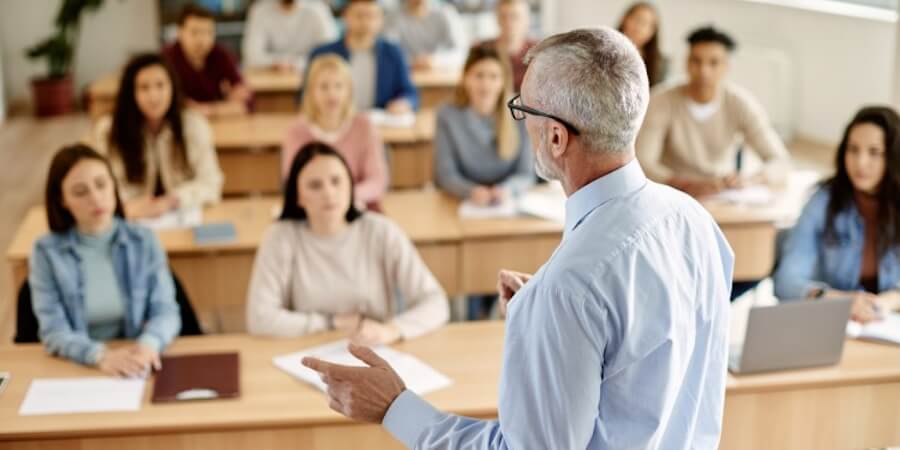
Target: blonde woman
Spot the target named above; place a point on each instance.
(328, 115)
(482, 154)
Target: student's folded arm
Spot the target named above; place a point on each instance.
(55, 332)
(541, 378)
(447, 175)
(268, 297)
(797, 270)
(163, 322)
(425, 302)
(375, 171)
(206, 186)
(651, 141)
(761, 136)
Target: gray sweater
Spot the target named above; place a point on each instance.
(466, 154)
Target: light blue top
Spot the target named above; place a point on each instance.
(809, 261)
(618, 342)
(104, 305)
(59, 294)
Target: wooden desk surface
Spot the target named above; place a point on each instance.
(267, 130)
(467, 353)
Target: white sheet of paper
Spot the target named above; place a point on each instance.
(886, 330)
(753, 195)
(502, 210)
(418, 376)
(545, 202)
(82, 395)
(382, 118)
(179, 218)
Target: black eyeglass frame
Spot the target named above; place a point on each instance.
(518, 112)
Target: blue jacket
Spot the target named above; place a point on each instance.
(809, 262)
(392, 79)
(57, 295)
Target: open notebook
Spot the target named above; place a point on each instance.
(886, 330)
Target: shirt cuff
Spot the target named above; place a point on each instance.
(93, 356)
(408, 417)
(150, 341)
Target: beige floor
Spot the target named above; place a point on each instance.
(26, 147)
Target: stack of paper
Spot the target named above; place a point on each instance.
(82, 395)
(418, 376)
(885, 330)
(382, 118)
(179, 218)
(548, 202)
(504, 209)
(753, 195)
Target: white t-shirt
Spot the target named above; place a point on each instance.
(363, 70)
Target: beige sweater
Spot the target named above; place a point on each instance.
(200, 186)
(300, 280)
(672, 143)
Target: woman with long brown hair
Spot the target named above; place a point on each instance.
(641, 25)
(161, 154)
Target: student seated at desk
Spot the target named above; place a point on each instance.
(693, 132)
(207, 72)
(481, 153)
(325, 265)
(328, 115)
(430, 35)
(95, 277)
(281, 34)
(641, 25)
(514, 23)
(381, 77)
(162, 155)
(846, 242)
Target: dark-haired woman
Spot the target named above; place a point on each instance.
(847, 240)
(641, 25)
(161, 154)
(95, 277)
(325, 265)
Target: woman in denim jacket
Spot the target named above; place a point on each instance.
(95, 277)
(847, 240)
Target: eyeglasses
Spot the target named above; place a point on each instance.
(518, 111)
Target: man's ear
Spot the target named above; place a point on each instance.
(559, 140)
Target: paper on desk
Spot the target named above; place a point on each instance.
(179, 218)
(504, 209)
(418, 376)
(885, 330)
(547, 202)
(82, 395)
(752, 195)
(382, 118)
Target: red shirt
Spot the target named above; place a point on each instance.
(204, 85)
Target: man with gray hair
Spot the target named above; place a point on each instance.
(619, 341)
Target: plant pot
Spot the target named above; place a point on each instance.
(53, 96)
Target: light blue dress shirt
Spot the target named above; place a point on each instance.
(618, 342)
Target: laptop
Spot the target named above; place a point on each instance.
(792, 335)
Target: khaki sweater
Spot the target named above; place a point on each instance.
(299, 280)
(672, 143)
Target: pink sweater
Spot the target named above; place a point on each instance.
(359, 143)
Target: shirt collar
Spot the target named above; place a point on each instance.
(617, 183)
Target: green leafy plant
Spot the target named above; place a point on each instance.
(59, 49)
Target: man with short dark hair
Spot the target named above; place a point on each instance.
(381, 77)
(208, 74)
(693, 132)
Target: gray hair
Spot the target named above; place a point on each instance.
(596, 80)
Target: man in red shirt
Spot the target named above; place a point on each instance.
(208, 74)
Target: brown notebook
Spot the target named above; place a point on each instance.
(198, 377)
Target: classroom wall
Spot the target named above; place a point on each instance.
(119, 29)
(839, 63)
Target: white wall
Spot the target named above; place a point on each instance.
(840, 63)
(119, 29)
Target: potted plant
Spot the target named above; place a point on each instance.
(54, 94)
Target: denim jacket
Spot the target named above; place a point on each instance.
(57, 292)
(809, 262)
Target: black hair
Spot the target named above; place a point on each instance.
(651, 53)
(291, 210)
(192, 10)
(711, 34)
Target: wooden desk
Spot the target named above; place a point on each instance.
(249, 152)
(274, 410)
(853, 405)
(276, 92)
